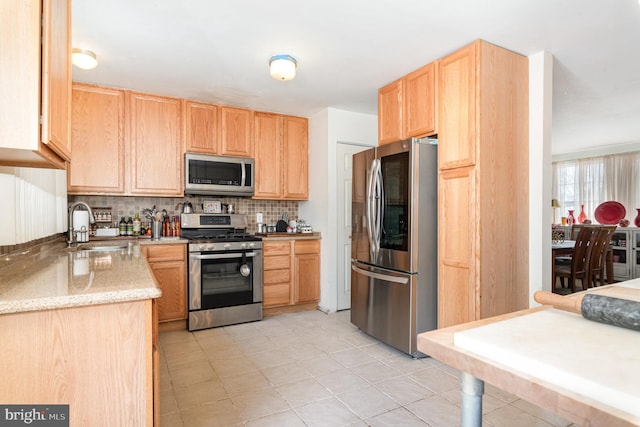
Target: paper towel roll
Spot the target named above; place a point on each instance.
(81, 225)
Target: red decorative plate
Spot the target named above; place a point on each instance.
(610, 213)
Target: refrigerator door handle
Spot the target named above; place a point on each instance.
(370, 210)
(380, 276)
(380, 204)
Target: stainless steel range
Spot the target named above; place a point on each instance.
(225, 270)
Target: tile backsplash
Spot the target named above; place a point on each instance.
(128, 206)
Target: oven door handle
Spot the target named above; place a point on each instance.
(223, 255)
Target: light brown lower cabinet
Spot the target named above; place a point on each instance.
(291, 272)
(98, 359)
(168, 264)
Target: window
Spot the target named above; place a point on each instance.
(594, 180)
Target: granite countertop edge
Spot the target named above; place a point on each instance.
(43, 278)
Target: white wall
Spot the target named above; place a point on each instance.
(326, 129)
(540, 109)
(34, 204)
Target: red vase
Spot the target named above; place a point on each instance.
(582, 215)
(570, 218)
(637, 220)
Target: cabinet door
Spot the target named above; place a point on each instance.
(419, 114)
(296, 158)
(172, 305)
(457, 115)
(56, 76)
(97, 141)
(154, 145)
(390, 113)
(456, 240)
(202, 127)
(268, 156)
(237, 132)
(307, 270)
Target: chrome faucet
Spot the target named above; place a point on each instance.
(73, 234)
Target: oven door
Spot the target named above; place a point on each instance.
(224, 279)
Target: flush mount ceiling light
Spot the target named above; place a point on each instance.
(84, 59)
(283, 67)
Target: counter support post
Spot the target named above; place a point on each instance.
(472, 390)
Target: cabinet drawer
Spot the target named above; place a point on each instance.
(307, 247)
(157, 253)
(276, 295)
(276, 276)
(276, 262)
(276, 248)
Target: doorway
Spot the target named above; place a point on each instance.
(344, 156)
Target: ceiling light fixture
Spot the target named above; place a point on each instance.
(84, 59)
(283, 67)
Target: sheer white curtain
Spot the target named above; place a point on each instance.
(594, 180)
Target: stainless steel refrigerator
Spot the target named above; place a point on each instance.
(394, 242)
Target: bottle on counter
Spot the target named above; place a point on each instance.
(129, 227)
(122, 227)
(136, 225)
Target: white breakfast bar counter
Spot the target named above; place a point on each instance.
(584, 371)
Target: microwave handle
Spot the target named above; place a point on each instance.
(244, 174)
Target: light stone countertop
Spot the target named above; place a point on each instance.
(50, 276)
(290, 236)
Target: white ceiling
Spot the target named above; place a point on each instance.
(218, 51)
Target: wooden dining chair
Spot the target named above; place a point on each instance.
(579, 268)
(598, 259)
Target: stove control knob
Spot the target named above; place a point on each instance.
(227, 245)
(243, 245)
(210, 247)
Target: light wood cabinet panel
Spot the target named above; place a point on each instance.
(268, 156)
(168, 264)
(419, 96)
(56, 76)
(295, 158)
(390, 113)
(457, 88)
(98, 358)
(237, 131)
(202, 127)
(483, 184)
(282, 157)
(307, 270)
(154, 145)
(97, 141)
(21, 37)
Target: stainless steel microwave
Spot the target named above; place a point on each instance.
(218, 175)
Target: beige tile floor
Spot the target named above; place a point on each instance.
(314, 369)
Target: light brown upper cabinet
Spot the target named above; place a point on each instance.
(407, 106)
(457, 82)
(390, 113)
(483, 184)
(236, 126)
(36, 54)
(281, 157)
(202, 127)
(154, 144)
(419, 96)
(97, 124)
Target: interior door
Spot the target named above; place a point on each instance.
(344, 168)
